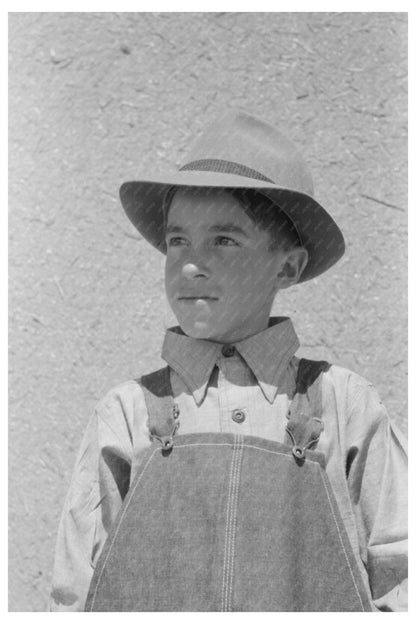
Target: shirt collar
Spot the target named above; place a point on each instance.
(267, 354)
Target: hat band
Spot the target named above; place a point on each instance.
(216, 165)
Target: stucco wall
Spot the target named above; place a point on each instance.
(96, 98)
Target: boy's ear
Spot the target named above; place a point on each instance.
(294, 264)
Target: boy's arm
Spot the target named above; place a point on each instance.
(99, 482)
(377, 479)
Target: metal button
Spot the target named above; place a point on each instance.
(238, 416)
(228, 350)
(298, 452)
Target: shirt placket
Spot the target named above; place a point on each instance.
(233, 397)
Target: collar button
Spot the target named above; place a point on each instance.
(228, 350)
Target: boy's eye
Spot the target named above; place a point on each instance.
(174, 241)
(225, 241)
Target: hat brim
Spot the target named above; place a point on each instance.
(319, 234)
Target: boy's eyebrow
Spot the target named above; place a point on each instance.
(230, 228)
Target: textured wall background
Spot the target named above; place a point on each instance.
(96, 98)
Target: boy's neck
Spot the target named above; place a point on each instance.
(272, 320)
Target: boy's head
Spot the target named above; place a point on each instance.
(253, 161)
(228, 253)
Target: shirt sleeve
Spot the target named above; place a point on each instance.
(99, 483)
(377, 479)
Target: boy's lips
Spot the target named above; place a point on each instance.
(195, 297)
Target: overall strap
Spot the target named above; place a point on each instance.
(163, 412)
(305, 423)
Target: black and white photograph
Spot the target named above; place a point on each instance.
(208, 290)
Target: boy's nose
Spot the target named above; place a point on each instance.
(193, 269)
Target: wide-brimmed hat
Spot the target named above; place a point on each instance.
(242, 152)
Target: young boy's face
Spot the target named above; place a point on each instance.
(220, 277)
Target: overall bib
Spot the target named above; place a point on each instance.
(222, 522)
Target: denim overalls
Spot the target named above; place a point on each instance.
(222, 522)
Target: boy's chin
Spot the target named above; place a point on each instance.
(200, 330)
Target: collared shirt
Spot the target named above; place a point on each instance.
(365, 452)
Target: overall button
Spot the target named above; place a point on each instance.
(228, 350)
(238, 416)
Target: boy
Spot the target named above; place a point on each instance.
(239, 478)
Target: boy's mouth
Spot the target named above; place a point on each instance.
(191, 298)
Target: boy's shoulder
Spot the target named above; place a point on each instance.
(342, 379)
(355, 397)
(334, 373)
(347, 397)
(123, 397)
(345, 378)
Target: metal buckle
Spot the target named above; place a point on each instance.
(167, 440)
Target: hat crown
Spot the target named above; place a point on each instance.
(239, 140)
